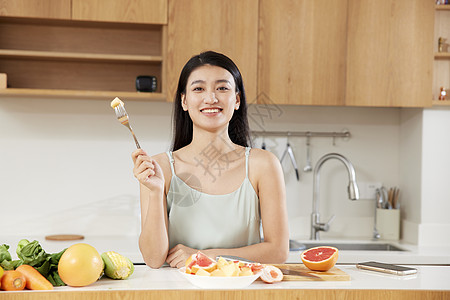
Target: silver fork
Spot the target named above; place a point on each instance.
(122, 116)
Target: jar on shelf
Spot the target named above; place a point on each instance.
(442, 93)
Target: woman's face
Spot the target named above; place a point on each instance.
(210, 97)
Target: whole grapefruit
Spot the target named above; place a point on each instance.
(80, 265)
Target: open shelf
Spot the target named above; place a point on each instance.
(442, 7)
(443, 55)
(441, 65)
(441, 102)
(79, 59)
(78, 94)
(78, 56)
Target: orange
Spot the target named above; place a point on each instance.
(320, 258)
(80, 265)
(200, 261)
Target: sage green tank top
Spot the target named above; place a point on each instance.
(203, 221)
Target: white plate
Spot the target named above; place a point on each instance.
(212, 282)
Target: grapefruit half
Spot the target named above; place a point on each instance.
(320, 258)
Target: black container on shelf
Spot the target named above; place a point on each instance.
(146, 83)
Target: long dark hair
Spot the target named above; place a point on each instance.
(238, 129)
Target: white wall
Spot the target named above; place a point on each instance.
(425, 173)
(65, 165)
(435, 221)
(410, 157)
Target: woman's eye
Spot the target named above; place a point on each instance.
(223, 88)
(197, 88)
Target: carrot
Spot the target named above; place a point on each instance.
(13, 281)
(35, 280)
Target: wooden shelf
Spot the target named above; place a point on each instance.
(441, 102)
(441, 65)
(80, 59)
(442, 55)
(78, 56)
(443, 7)
(76, 94)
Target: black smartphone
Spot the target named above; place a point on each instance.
(386, 268)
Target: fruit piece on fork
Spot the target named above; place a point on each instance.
(116, 102)
(122, 116)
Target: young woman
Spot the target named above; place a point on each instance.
(212, 191)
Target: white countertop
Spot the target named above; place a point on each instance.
(128, 246)
(429, 277)
(166, 278)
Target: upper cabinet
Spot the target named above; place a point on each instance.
(389, 53)
(302, 52)
(49, 9)
(229, 27)
(131, 11)
(354, 52)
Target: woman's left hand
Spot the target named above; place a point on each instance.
(178, 255)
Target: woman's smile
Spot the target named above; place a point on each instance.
(211, 111)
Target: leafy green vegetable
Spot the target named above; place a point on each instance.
(22, 243)
(31, 253)
(8, 265)
(4, 253)
(52, 274)
(5, 259)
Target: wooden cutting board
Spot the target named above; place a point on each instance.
(64, 237)
(334, 274)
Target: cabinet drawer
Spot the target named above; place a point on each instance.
(136, 11)
(51, 9)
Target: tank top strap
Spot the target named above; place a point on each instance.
(247, 153)
(169, 154)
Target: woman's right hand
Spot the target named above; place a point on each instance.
(147, 171)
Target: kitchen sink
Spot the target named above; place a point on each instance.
(299, 246)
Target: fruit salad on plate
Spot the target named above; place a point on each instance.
(205, 272)
(202, 265)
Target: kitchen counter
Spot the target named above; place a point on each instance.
(128, 246)
(431, 281)
(168, 283)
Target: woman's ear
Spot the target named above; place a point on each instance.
(183, 102)
(238, 101)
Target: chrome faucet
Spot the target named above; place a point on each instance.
(353, 192)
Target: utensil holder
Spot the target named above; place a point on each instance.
(388, 223)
